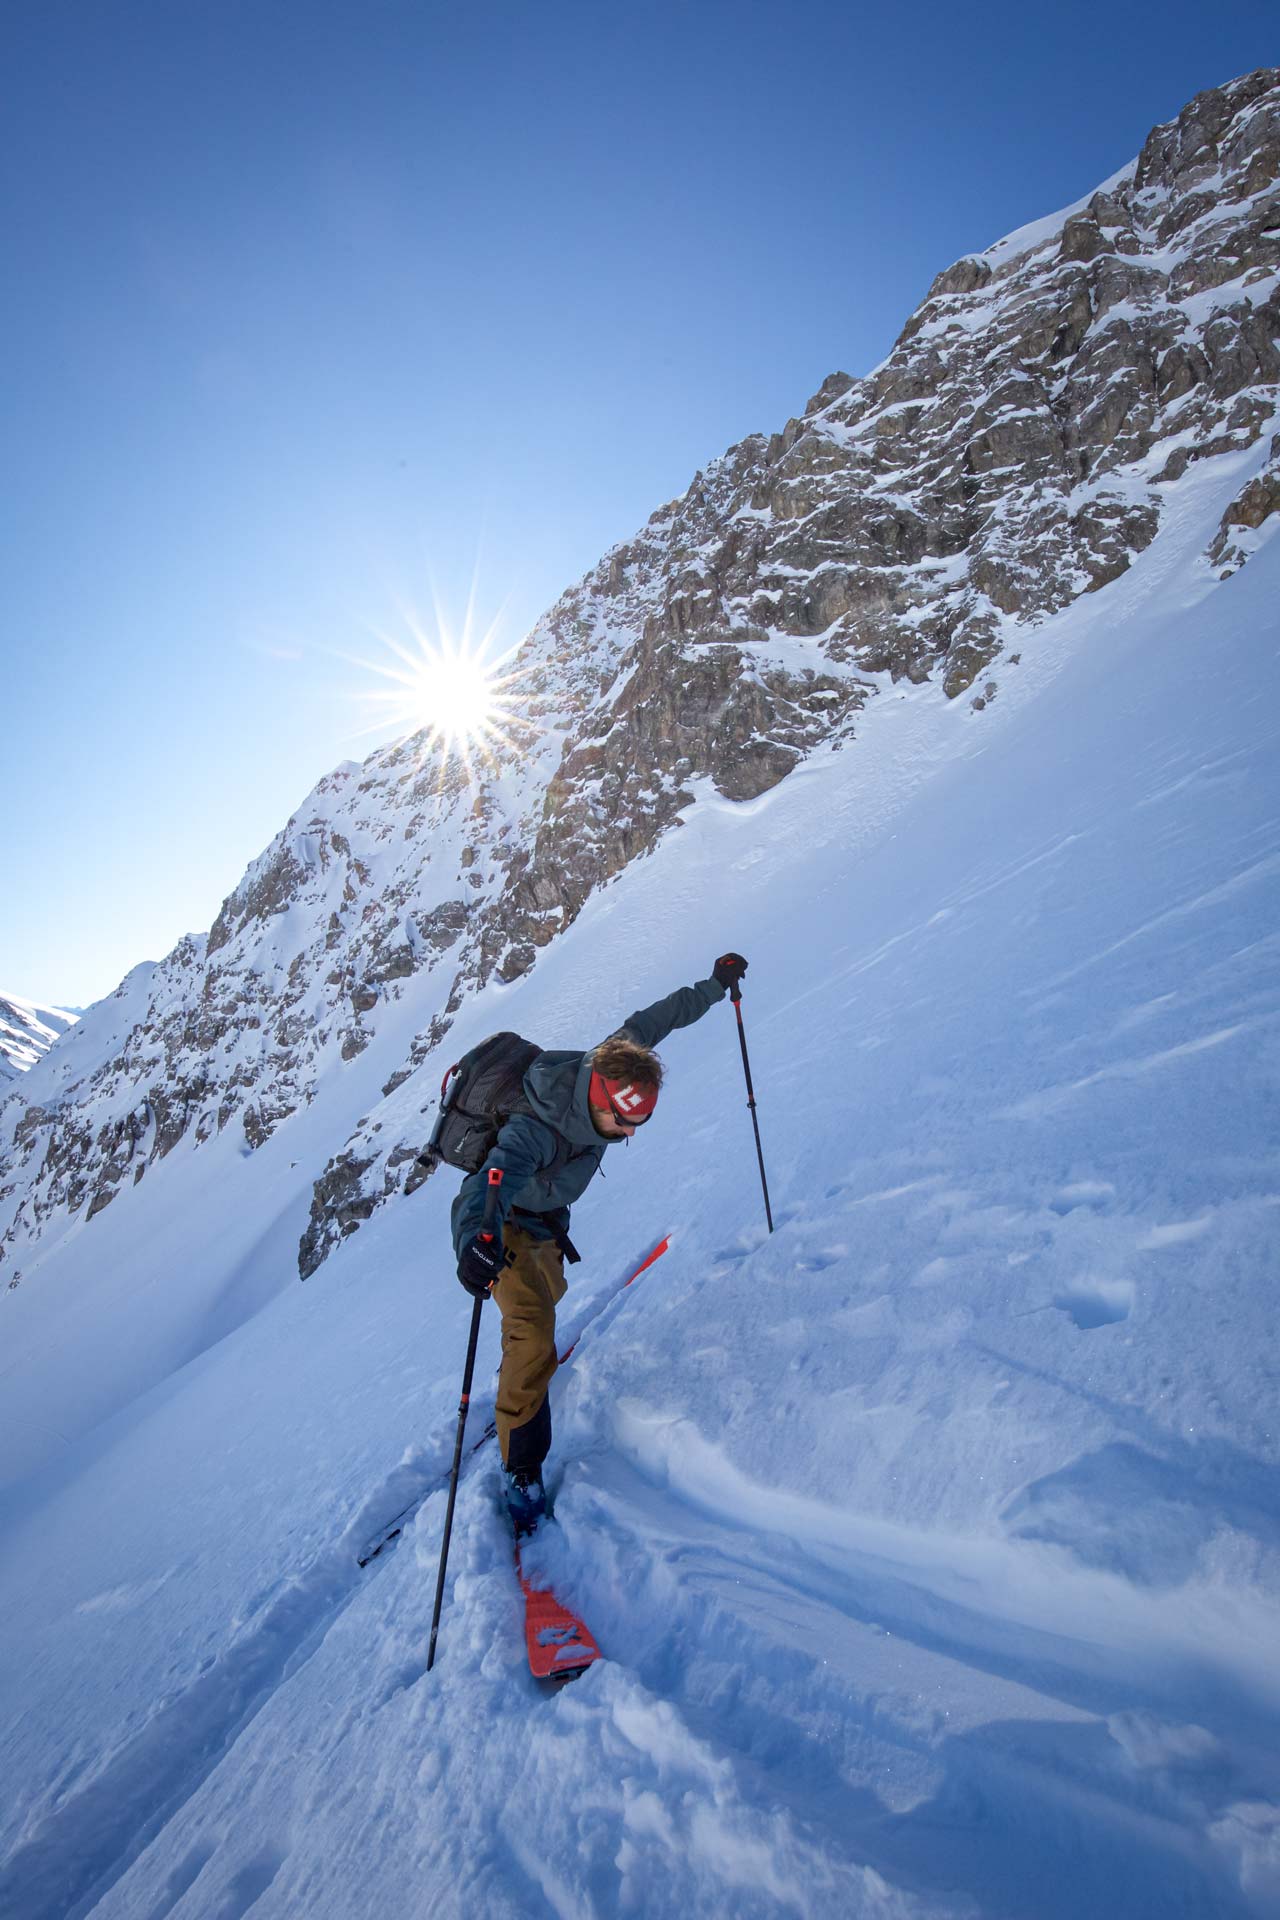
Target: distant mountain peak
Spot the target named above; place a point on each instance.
(28, 1029)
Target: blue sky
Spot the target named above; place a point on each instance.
(315, 306)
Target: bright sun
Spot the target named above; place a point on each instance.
(444, 689)
(449, 694)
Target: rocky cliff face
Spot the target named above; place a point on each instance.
(1017, 449)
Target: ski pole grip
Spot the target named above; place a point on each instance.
(491, 1202)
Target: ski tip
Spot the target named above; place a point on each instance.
(564, 1675)
(375, 1547)
(649, 1259)
(568, 1667)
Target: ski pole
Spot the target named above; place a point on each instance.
(491, 1201)
(735, 994)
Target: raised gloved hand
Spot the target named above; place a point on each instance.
(480, 1263)
(728, 971)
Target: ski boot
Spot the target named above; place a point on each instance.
(526, 1498)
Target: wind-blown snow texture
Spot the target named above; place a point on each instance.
(933, 1542)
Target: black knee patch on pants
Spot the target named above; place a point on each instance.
(530, 1444)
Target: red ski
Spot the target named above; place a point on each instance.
(644, 1266)
(560, 1646)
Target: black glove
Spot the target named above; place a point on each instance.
(479, 1264)
(728, 971)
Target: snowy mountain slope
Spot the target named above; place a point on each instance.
(1016, 450)
(27, 1030)
(933, 1542)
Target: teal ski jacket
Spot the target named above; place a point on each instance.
(549, 1156)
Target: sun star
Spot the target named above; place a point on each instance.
(450, 695)
(446, 692)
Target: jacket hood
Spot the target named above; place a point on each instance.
(556, 1087)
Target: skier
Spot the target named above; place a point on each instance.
(579, 1104)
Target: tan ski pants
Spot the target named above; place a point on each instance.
(527, 1295)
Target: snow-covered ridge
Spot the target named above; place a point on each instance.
(28, 1029)
(1020, 447)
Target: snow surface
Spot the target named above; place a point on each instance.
(933, 1541)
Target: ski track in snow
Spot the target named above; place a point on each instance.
(933, 1542)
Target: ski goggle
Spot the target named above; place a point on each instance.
(630, 1105)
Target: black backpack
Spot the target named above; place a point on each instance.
(477, 1097)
